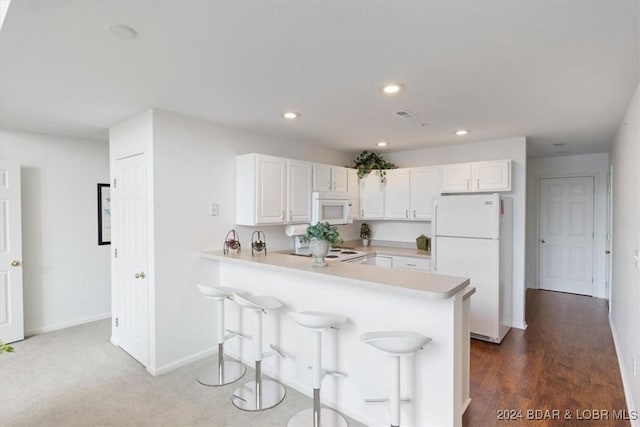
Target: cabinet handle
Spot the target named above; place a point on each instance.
(283, 215)
(406, 213)
(290, 214)
(478, 183)
(362, 212)
(467, 183)
(334, 186)
(411, 265)
(414, 214)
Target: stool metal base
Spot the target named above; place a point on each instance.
(328, 418)
(250, 397)
(213, 376)
(222, 372)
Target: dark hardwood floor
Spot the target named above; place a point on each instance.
(564, 361)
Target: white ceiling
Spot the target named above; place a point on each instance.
(556, 72)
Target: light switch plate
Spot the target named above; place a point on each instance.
(213, 209)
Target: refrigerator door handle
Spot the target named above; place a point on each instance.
(434, 252)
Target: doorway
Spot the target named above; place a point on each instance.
(566, 234)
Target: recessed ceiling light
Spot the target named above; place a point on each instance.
(290, 115)
(382, 144)
(392, 88)
(462, 132)
(122, 31)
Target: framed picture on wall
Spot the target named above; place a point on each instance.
(104, 214)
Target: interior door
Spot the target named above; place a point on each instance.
(566, 234)
(129, 225)
(11, 308)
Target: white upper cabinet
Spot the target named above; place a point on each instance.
(272, 190)
(329, 178)
(299, 191)
(424, 187)
(371, 196)
(494, 175)
(353, 189)
(397, 197)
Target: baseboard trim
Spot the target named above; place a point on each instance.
(626, 384)
(69, 324)
(519, 325)
(182, 362)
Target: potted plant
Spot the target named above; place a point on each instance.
(320, 236)
(365, 234)
(366, 162)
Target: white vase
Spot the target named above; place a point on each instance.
(365, 242)
(319, 249)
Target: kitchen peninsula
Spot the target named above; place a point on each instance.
(374, 299)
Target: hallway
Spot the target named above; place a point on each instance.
(565, 361)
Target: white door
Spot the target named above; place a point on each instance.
(272, 179)
(397, 190)
(371, 196)
(322, 177)
(566, 235)
(11, 313)
(424, 188)
(609, 241)
(456, 178)
(339, 177)
(299, 189)
(130, 222)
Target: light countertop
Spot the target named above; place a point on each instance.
(391, 250)
(416, 283)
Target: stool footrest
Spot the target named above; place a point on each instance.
(232, 334)
(275, 351)
(380, 401)
(325, 372)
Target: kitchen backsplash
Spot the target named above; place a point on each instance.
(398, 231)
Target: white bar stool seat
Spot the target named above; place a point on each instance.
(258, 394)
(318, 322)
(395, 344)
(223, 371)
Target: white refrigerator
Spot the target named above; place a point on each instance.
(472, 237)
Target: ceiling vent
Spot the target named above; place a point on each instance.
(404, 114)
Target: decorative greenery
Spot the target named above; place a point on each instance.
(323, 231)
(366, 162)
(4, 348)
(365, 231)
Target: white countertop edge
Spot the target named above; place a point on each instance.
(306, 269)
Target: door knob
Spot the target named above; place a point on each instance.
(140, 275)
(137, 276)
(15, 263)
(543, 241)
(607, 252)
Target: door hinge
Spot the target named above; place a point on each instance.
(116, 322)
(115, 252)
(114, 183)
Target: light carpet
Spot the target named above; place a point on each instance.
(76, 377)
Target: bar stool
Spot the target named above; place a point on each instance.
(259, 394)
(395, 344)
(223, 371)
(318, 322)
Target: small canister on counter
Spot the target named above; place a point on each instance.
(421, 242)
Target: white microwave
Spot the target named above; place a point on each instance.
(334, 208)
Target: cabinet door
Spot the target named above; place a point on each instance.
(456, 178)
(371, 196)
(424, 187)
(339, 177)
(322, 177)
(396, 194)
(299, 191)
(353, 189)
(383, 261)
(491, 176)
(410, 263)
(271, 189)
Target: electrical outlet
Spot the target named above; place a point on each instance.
(213, 209)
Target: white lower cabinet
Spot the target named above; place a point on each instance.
(411, 263)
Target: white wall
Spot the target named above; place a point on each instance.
(596, 165)
(625, 286)
(512, 148)
(193, 165)
(66, 273)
